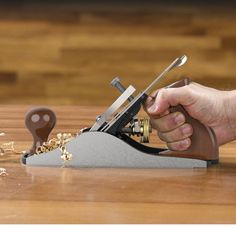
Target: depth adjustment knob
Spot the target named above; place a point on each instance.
(140, 128)
(117, 84)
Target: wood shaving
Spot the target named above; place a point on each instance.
(58, 142)
(3, 172)
(8, 148)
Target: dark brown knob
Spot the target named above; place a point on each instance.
(203, 140)
(40, 121)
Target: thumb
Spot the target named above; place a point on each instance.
(150, 100)
(168, 97)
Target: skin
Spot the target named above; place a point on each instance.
(214, 108)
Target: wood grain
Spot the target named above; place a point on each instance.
(67, 195)
(66, 54)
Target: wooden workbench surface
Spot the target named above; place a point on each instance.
(64, 195)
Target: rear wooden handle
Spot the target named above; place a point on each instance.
(203, 140)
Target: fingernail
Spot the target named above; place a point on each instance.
(184, 144)
(187, 130)
(179, 119)
(152, 108)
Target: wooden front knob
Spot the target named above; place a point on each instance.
(40, 121)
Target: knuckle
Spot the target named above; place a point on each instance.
(157, 123)
(154, 123)
(179, 133)
(167, 123)
(161, 95)
(171, 121)
(162, 136)
(186, 130)
(174, 135)
(161, 92)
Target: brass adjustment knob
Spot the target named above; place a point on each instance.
(140, 128)
(145, 130)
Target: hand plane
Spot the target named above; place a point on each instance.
(109, 141)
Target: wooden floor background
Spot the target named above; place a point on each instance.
(68, 53)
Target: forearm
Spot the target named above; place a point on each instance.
(231, 112)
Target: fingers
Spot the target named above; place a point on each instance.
(171, 127)
(173, 130)
(180, 145)
(168, 121)
(178, 134)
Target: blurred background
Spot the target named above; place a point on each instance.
(67, 52)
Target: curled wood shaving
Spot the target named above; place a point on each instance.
(3, 172)
(58, 142)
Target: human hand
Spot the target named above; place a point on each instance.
(213, 108)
